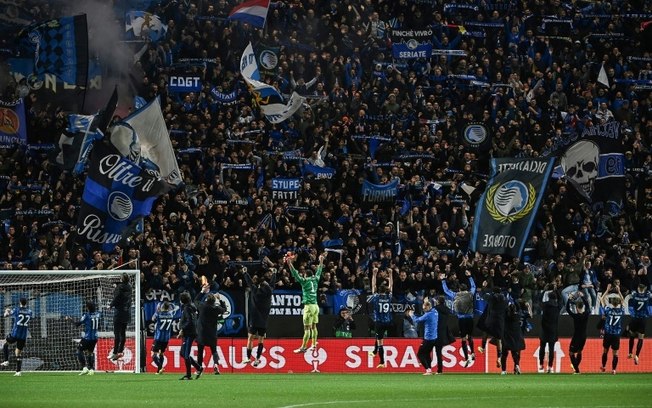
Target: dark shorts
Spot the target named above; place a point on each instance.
(20, 343)
(87, 345)
(466, 326)
(159, 346)
(381, 330)
(577, 344)
(257, 331)
(611, 341)
(637, 325)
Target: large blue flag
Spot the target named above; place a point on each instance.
(117, 193)
(60, 48)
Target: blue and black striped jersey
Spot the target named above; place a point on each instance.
(163, 326)
(21, 317)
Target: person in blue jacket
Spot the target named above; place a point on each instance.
(429, 318)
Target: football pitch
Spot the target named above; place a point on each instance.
(326, 390)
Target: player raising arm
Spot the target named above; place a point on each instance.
(639, 302)
(86, 348)
(309, 284)
(21, 316)
(382, 315)
(260, 303)
(613, 324)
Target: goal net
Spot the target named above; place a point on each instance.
(53, 295)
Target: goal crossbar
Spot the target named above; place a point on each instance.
(51, 293)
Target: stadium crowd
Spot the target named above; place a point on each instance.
(338, 54)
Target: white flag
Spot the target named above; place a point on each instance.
(602, 76)
(153, 139)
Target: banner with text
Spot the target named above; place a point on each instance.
(13, 128)
(379, 194)
(331, 356)
(285, 188)
(508, 207)
(408, 44)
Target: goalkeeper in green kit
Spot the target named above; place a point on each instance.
(309, 284)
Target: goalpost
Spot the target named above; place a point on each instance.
(53, 295)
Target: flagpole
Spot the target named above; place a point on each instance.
(88, 66)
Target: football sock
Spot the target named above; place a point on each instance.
(200, 355)
(631, 345)
(604, 359)
(465, 350)
(187, 362)
(578, 360)
(639, 347)
(314, 337)
(614, 362)
(19, 363)
(81, 358)
(90, 360)
(157, 360)
(573, 360)
(516, 356)
(5, 351)
(248, 353)
(306, 337)
(216, 358)
(381, 354)
(376, 347)
(471, 343)
(503, 361)
(259, 351)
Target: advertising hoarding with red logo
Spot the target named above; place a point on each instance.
(591, 358)
(331, 355)
(127, 362)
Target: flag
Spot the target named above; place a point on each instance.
(139, 102)
(320, 173)
(602, 76)
(379, 193)
(594, 166)
(117, 193)
(82, 131)
(141, 24)
(507, 209)
(476, 136)
(267, 58)
(60, 48)
(253, 12)
(13, 128)
(13, 14)
(266, 97)
(153, 140)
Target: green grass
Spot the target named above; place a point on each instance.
(327, 390)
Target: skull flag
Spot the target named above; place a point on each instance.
(508, 207)
(594, 165)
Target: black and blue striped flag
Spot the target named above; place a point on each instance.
(117, 194)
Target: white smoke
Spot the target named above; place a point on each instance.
(105, 36)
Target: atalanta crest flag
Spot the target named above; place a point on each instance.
(508, 207)
(117, 193)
